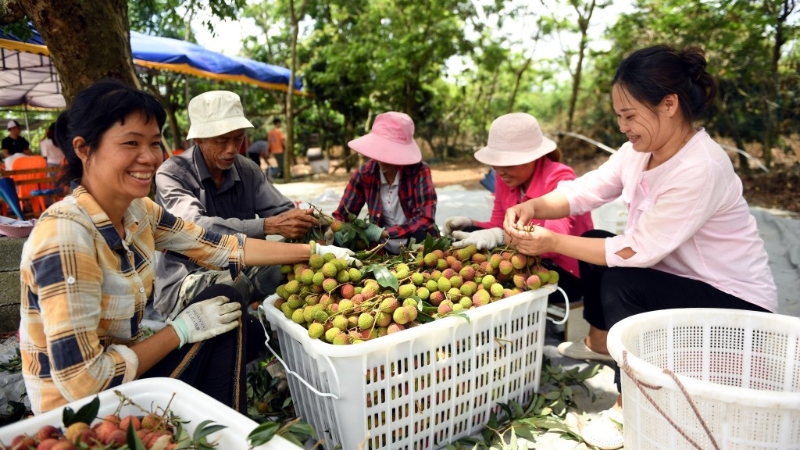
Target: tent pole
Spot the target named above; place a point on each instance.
(27, 128)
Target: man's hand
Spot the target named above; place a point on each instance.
(483, 239)
(291, 224)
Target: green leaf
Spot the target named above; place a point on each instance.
(518, 412)
(424, 318)
(526, 432)
(205, 428)
(293, 439)
(262, 433)
(463, 315)
(303, 428)
(86, 413)
(134, 443)
(384, 277)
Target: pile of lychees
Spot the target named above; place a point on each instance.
(151, 431)
(345, 305)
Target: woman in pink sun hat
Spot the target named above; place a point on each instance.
(394, 183)
(527, 165)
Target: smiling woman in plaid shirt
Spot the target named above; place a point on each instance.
(395, 184)
(87, 268)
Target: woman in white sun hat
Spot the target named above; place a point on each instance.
(527, 165)
(394, 183)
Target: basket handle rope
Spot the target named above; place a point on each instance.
(299, 377)
(641, 385)
(566, 309)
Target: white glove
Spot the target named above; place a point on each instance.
(343, 253)
(206, 319)
(456, 223)
(483, 239)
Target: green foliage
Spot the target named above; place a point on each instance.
(545, 412)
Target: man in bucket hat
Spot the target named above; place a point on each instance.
(527, 166)
(14, 143)
(394, 183)
(214, 186)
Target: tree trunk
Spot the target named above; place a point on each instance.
(583, 24)
(88, 40)
(288, 152)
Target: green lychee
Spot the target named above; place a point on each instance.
(292, 287)
(329, 270)
(465, 302)
(297, 316)
(318, 278)
(496, 290)
(389, 305)
(444, 284)
(316, 261)
(417, 278)
(365, 320)
(286, 269)
(423, 293)
(294, 301)
(341, 339)
(340, 322)
(316, 330)
(328, 257)
(343, 276)
(355, 275)
(383, 319)
(544, 275)
(553, 277)
(519, 261)
(488, 281)
(401, 316)
(307, 276)
(332, 333)
(506, 267)
(329, 284)
(518, 280)
(430, 260)
(346, 306)
(495, 260)
(468, 288)
(406, 290)
(432, 286)
(441, 264)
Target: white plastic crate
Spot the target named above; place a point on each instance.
(189, 403)
(422, 387)
(740, 368)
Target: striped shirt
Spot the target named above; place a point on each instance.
(84, 291)
(417, 198)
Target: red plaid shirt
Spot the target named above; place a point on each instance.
(417, 198)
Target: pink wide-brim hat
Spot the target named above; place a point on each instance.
(514, 139)
(390, 141)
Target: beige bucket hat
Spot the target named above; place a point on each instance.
(514, 139)
(215, 113)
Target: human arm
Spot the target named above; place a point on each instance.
(553, 205)
(540, 240)
(417, 189)
(292, 224)
(78, 315)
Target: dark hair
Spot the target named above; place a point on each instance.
(555, 155)
(92, 112)
(49, 133)
(652, 73)
(276, 121)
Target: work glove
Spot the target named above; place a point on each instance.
(483, 239)
(374, 233)
(343, 253)
(206, 319)
(456, 223)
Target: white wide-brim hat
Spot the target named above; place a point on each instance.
(514, 139)
(390, 141)
(215, 113)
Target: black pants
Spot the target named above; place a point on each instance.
(615, 293)
(255, 157)
(215, 366)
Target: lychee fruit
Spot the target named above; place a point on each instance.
(329, 270)
(365, 320)
(496, 290)
(316, 330)
(329, 285)
(519, 261)
(481, 298)
(533, 282)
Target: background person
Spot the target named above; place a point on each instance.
(14, 143)
(50, 150)
(87, 267)
(277, 144)
(394, 183)
(527, 165)
(690, 240)
(258, 150)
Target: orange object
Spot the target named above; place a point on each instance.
(31, 193)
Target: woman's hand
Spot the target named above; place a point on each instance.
(518, 216)
(538, 241)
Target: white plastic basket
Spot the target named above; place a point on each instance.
(189, 403)
(422, 387)
(740, 369)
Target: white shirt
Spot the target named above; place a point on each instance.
(8, 161)
(686, 217)
(392, 211)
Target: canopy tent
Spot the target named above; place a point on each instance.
(28, 77)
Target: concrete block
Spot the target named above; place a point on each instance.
(10, 253)
(9, 318)
(9, 288)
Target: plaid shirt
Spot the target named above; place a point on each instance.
(417, 198)
(84, 291)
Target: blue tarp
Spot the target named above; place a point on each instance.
(28, 76)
